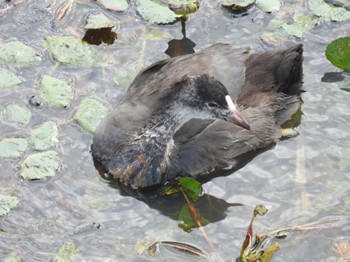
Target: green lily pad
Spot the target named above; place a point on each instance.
(97, 21)
(72, 51)
(40, 165)
(327, 11)
(268, 6)
(338, 53)
(183, 7)
(90, 113)
(192, 188)
(18, 54)
(55, 91)
(66, 253)
(238, 6)
(301, 25)
(7, 203)
(155, 13)
(8, 81)
(346, 89)
(17, 114)
(13, 147)
(114, 5)
(45, 136)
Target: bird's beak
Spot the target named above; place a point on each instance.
(235, 116)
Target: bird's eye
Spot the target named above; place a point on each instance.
(212, 104)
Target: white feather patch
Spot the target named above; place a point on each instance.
(230, 103)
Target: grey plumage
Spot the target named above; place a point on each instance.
(165, 126)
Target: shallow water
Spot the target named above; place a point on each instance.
(301, 180)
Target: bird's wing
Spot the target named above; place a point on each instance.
(202, 144)
(221, 61)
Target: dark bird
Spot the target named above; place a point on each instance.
(178, 118)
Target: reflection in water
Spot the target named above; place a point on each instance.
(99, 36)
(183, 46)
(332, 77)
(209, 208)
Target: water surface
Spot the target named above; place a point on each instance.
(300, 180)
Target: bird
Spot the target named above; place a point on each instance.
(191, 115)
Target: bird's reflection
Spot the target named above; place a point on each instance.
(178, 47)
(209, 208)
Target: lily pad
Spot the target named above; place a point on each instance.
(183, 7)
(55, 91)
(301, 25)
(72, 51)
(114, 5)
(13, 147)
(97, 21)
(268, 6)
(45, 136)
(18, 54)
(338, 53)
(66, 252)
(7, 203)
(90, 113)
(155, 13)
(40, 165)
(238, 6)
(327, 11)
(192, 188)
(8, 81)
(17, 114)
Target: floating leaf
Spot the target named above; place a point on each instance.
(338, 53)
(17, 114)
(66, 252)
(45, 136)
(13, 147)
(268, 5)
(18, 54)
(114, 5)
(190, 221)
(192, 188)
(98, 20)
(7, 203)
(238, 6)
(8, 81)
(183, 7)
(155, 13)
(301, 25)
(40, 165)
(346, 89)
(328, 12)
(90, 113)
(55, 91)
(72, 51)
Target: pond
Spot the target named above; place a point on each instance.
(74, 214)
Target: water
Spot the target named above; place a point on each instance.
(301, 180)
